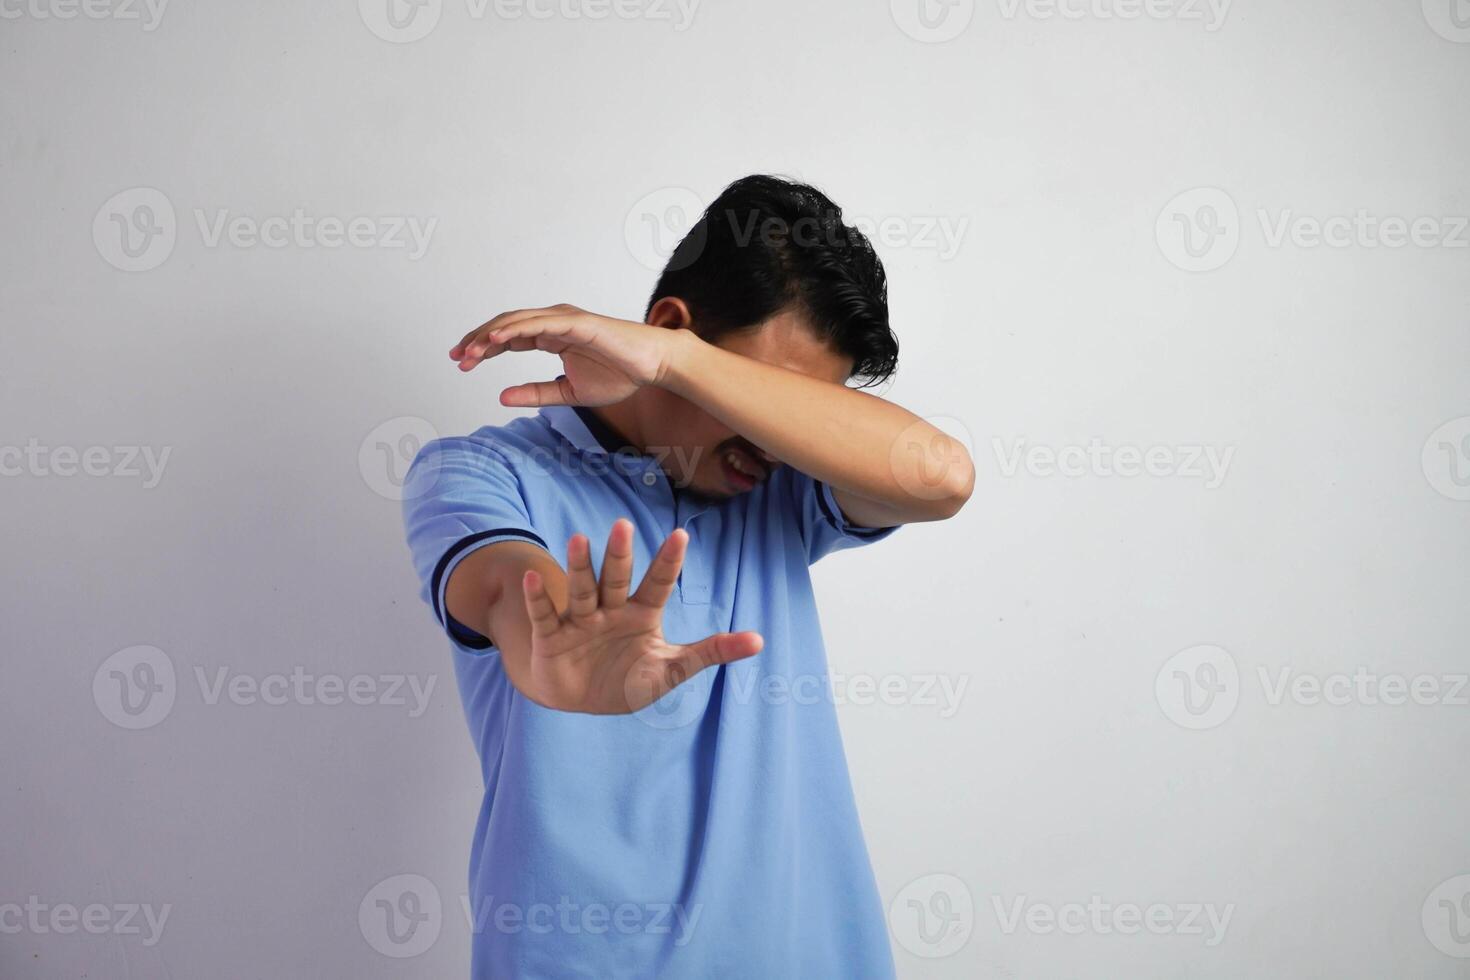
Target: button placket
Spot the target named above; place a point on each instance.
(694, 578)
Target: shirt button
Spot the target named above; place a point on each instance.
(649, 479)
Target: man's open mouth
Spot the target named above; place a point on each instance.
(742, 470)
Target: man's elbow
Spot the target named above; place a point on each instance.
(963, 485)
(950, 493)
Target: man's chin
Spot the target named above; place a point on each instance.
(713, 494)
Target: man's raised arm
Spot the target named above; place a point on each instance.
(879, 458)
(885, 465)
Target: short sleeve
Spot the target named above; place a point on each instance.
(460, 495)
(824, 528)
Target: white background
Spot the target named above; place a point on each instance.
(1336, 541)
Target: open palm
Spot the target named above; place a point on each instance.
(606, 652)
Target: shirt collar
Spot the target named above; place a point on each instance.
(589, 434)
(570, 427)
(584, 430)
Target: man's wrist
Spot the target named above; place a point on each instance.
(685, 350)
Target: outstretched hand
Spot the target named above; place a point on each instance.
(606, 652)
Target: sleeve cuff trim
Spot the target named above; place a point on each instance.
(461, 549)
(834, 515)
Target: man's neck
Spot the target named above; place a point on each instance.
(621, 424)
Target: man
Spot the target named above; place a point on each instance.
(666, 791)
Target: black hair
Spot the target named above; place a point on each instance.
(768, 244)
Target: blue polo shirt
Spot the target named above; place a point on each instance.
(713, 833)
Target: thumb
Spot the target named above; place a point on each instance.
(721, 648)
(538, 393)
(662, 673)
